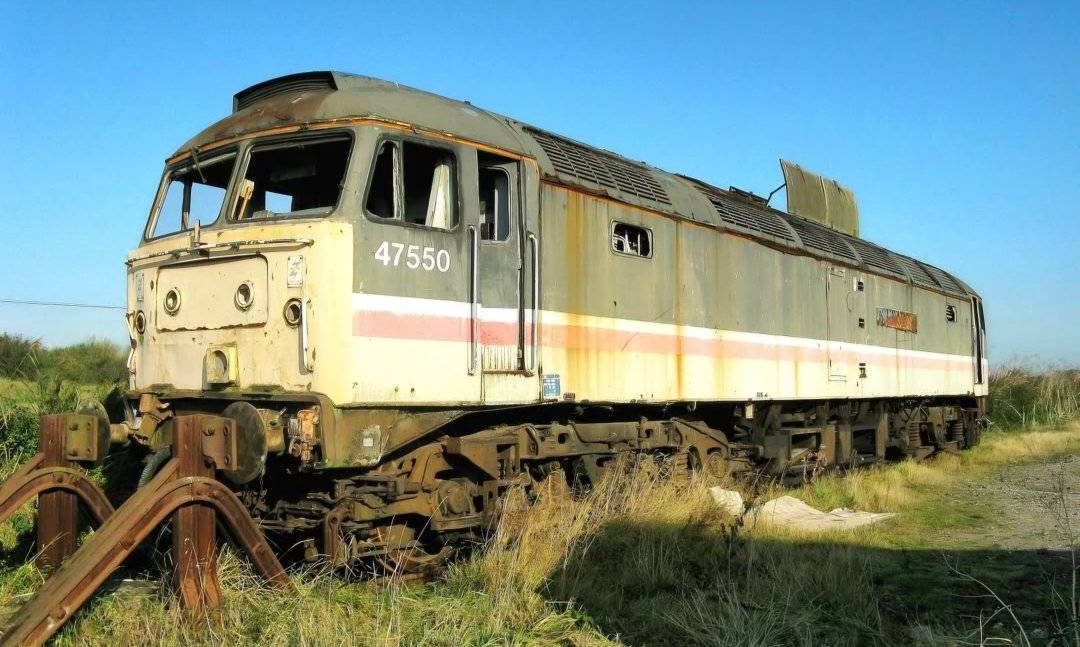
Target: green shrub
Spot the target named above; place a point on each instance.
(1021, 396)
(17, 355)
(94, 361)
(20, 413)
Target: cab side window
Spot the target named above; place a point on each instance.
(414, 183)
(494, 203)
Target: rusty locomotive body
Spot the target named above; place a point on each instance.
(408, 305)
(402, 305)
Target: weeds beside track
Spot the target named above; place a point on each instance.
(642, 560)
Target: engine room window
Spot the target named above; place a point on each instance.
(494, 204)
(950, 314)
(294, 178)
(631, 240)
(194, 193)
(413, 183)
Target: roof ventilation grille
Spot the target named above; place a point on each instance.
(875, 257)
(293, 83)
(823, 239)
(943, 278)
(917, 272)
(740, 211)
(597, 167)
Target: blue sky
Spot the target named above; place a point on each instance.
(956, 125)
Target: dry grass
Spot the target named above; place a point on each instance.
(646, 560)
(903, 486)
(1021, 396)
(640, 560)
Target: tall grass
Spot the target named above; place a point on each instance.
(642, 559)
(1021, 396)
(21, 408)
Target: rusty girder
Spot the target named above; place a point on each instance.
(22, 487)
(184, 487)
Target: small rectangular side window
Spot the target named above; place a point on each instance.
(631, 240)
(950, 314)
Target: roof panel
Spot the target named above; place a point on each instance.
(943, 278)
(877, 258)
(917, 272)
(746, 217)
(822, 239)
(597, 167)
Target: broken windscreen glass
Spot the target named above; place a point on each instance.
(193, 192)
(294, 178)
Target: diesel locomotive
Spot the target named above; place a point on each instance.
(408, 305)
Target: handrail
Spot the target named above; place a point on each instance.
(309, 365)
(474, 300)
(235, 245)
(535, 351)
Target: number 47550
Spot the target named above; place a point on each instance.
(416, 257)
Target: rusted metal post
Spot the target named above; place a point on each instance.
(194, 535)
(58, 510)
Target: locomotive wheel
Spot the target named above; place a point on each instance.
(404, 555)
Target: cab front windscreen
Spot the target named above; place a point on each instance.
(194, 192)
(278, 179)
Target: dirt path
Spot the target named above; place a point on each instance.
(1036, 506)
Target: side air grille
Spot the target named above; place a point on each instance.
(918, 272)
(943, 278)
(741, 215)
(599, 168)
(823, 239)
(875, 257)
(294, 83)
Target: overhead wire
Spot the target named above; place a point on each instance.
(60, 304)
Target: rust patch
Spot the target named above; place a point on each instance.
(897, 319)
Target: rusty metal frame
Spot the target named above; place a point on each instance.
(20, 488)
(56, 477)
(184, 488)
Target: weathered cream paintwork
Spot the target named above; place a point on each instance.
(269, 354)
(206, 287)
(726, 316)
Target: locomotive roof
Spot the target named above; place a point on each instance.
(327, 96)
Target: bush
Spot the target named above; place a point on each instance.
(17, 355)
(20, 412)
(49, 381)
(94, 361)
(1021, 396)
